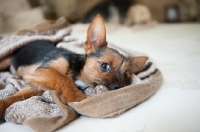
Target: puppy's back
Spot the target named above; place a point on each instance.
(32, 53)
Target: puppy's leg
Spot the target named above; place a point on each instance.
(5, 63)
(52, 79)
(20, 96)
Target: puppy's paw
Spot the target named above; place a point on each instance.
(80, 96)
(72, 98)
(64, 99)
(3, 106)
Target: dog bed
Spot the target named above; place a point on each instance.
(46, 112)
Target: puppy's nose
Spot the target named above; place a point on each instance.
(117, 85)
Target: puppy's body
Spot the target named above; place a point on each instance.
(47, 67)
(44, 55)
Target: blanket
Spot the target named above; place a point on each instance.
(47, 112)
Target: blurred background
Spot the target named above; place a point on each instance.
(18, 14)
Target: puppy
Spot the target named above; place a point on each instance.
(46, 67)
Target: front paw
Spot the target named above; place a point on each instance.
(72, 97)
(80, 96)
(3, 107)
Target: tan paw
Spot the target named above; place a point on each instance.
(79, 97)
(3, 107)
(72, 98)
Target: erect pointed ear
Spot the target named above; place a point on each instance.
(138, 63)
(96, 35)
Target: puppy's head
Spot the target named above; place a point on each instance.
(106, 66)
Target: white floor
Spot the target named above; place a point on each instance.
(176, 105)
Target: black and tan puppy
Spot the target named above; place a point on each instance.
(47, 67)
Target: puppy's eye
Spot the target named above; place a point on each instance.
(105, 67)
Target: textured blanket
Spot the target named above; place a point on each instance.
(46, 112)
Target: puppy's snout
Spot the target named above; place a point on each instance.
(117, 83)
(117, 86)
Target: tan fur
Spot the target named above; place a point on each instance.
(27, 70)
(52, 79)
(5, 63)
(61, 65)
(138, 62)
(96, 35)
(96, 75)
(55, 77)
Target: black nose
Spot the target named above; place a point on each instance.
(117, 86)
(117, 83)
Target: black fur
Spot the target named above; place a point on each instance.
(98, 53)
(44, 52)
(101, 51)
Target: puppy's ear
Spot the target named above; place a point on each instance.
(96, 35)
(137, 63)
